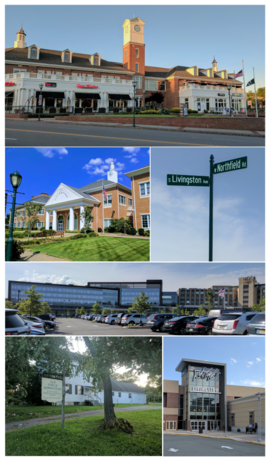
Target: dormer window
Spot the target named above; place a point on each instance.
(95, 59)
(33, 52)
(66, 56)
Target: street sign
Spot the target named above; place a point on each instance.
(230, 165)
(51, 390)
(187, 180)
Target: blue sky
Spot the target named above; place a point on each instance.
(180, 215)
(44, 168)
(245, 357)
(196, 32)
(174, 275)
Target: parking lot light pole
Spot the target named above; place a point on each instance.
(134, 83)
(259, 417)
(15, 179)
(225, 419)
(229, 89)
(40, 86)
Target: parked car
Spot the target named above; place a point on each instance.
(100, 317)
(83, 316)
(34, 319)
(132, 319)
(119, 318)
(156, 321)
(52, 315)
(230, 310)
(257, 324)
(15, 324)
(232, 324)
(201, 326)
(111, 319)
(33, 322)
(36, 328)
(178, 324)
(46, 317)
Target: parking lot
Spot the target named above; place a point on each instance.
(85, 327)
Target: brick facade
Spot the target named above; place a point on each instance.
(142, 204)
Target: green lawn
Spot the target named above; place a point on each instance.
(79, 438)
(22, 412)
(97, 249)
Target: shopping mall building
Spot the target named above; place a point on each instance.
(63, 210)
(200, 400)
(85, 83)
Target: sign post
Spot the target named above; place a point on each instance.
(53, 390)
(211, 209)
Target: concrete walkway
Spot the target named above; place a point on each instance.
(239, 436)
(69, 416)
(258, 134)
(28, 255)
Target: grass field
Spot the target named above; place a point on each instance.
(22, 412)
(97, 249)
(81, 438)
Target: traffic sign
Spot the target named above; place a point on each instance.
(230, 165)
(187, 180)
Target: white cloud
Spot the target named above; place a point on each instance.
(132, 150)
(258, 360)
(109, 160)
(34, 276)
(134, 160)
(98, 166)
(49, 152)
(233, 360)
(119, 166)
(249, 382)
(249, 364)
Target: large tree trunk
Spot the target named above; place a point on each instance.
(108, 402)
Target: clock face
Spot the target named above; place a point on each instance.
(137, 28)
(110, 173)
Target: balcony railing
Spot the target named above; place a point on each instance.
(192, 86)
(75, 78)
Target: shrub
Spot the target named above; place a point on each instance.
(86, 231)
(106, 229)
(78, 236)
(132, 231)
(17, 250)
(146, 112)
(137, 111)
(147, 233)
(93, 234)
(141, 231)
(175, 110)
(72, 232)
(111, 229)
(164, 112)
(99, 229)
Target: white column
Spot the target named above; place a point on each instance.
(71, 219)
(47, 220)
(54, 225)
(81, 218)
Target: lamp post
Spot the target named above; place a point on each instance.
(134, 83)
(259, 417)
(40, 86)
(15, 179)
(19, 296)
(225, 418)
(229, 89)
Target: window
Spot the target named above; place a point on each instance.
(40, 224)
(41, 212)
(23, 224)
(139, 82)
(129, 395)
(96, 60)
(33, 52)
(146, 221)
(66, 56)
(137, 53)
(130, 202)
(145, 189)
(137, 67)
(107, 201)
(122, 200)
(107, 222)
(119, 394)
(68, 389)
(19, 224)
(79, 390)
(50, 213)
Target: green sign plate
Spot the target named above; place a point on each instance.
(187, 180)
(230, 165)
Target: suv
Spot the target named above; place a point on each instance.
(178, 324)
(15, 325)
(132, 319)
(156, 321)
(232, 324)
(257, 324)
(111, 319)
(119, 318)
(201, 326)
(48, 320)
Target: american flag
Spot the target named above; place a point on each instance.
(104, 193)
(221, 292)
(239, 74)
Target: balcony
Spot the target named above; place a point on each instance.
(193, 86)
(74, 78)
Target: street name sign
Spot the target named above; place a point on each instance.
(187, 180)
(230, 165)
(51, 390)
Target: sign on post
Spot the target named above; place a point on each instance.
(51, 390)
(230, 165)
(40, 100)
(187, 180)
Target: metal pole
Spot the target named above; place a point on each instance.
(255, 93)
(207, 421)
(10, 239)
(211, 209)
(103, 206)
(225, 418)
(230, 102)
(134, 109)
(259, 417)
(63, 400)
(244, 86)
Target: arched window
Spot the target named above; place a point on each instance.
(33, 52)
(60, 223)
(66, 56)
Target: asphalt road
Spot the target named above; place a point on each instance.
(86, 327)
(49, 134)
(200, 446)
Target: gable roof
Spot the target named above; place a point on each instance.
(119, 386)
(98, 185)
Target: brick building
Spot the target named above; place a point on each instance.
(140, 185)
(88, 83)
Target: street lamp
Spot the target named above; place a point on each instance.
(259, 417)
(225, 418)
(40, 86)
(19, 296)
(134, 83)
(15, 179)
(229, 89)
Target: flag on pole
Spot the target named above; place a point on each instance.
(239, 74)
(251, 82)
(221, 293)
(104, 193)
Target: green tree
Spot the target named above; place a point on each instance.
(176, 310)
(96, 309)
(88, 218)
(29, 216)
(111, 311)
(32, 304)
(200, 311)
(121, 225)
(68, 313)
(184, 312)
(126, 377)
(82, 311)
(44, 308)
(9, 305)
(259, 307)
(141, 306)
(209, 300)
(104, 312)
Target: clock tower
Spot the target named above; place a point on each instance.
(134, 47)
(112, 174)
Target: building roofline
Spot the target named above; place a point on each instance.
(142, 170)
(181, 364)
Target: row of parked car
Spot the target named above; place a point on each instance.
(17, 324)
(121, 319)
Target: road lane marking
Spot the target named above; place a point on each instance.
(12, 139)
(111, 137)
(229, 448)
(173, 449)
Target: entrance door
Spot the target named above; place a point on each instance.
(199, 106)
(196, 425)
(60, 223)
(171, 425)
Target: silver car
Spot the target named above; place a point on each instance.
(34, 326)
(15, 325)
(134, 319)
(111, 319)
(232, 324)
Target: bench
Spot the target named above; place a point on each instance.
(57, 233)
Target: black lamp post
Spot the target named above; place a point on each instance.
(229, 89)
(15, 179)
(134, 83)
(40, 86)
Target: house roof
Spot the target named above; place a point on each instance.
(42, 200)
(119, 386)
(98, 185)
(83, 194)
(178, 71)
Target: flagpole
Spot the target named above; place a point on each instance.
(244, 86)
(102, 206)
(255, 93)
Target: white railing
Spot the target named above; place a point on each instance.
(193, 86)
(74, 78)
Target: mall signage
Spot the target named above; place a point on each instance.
(187, 180)
(206, 373)
(86, 86)
(9, 83)
(51, 85)
(211, 390)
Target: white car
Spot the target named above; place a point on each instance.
(232, 324)
(111, 319)
(134, 319)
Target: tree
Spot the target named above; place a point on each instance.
(88, 218)
(184, 311)
(126, 377)
(176, 310)
(104, 312)
(29, 216)
(259, 307)
(82, 311)
(32, 305)
(68, 313)
(96, 309)
(156, 97)
(106, 354)
(141, 306)
(199, 311)
(121, 225)
(44, 308)
(9, 305)
(209, 300)
(111, 311)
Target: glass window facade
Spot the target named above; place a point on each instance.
(199, 401)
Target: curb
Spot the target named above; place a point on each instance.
(209, 437)
(146, 127)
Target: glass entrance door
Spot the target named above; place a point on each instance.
(60, 224)
(195, 425)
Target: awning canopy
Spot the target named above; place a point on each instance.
(87, 96)
(51, 94)
(117, 97)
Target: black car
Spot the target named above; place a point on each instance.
(201, 326)
(47, 319)
(156, 321)
(177, 325)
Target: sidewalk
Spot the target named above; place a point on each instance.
(31, 256)
(238, 436)
(258, 134)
